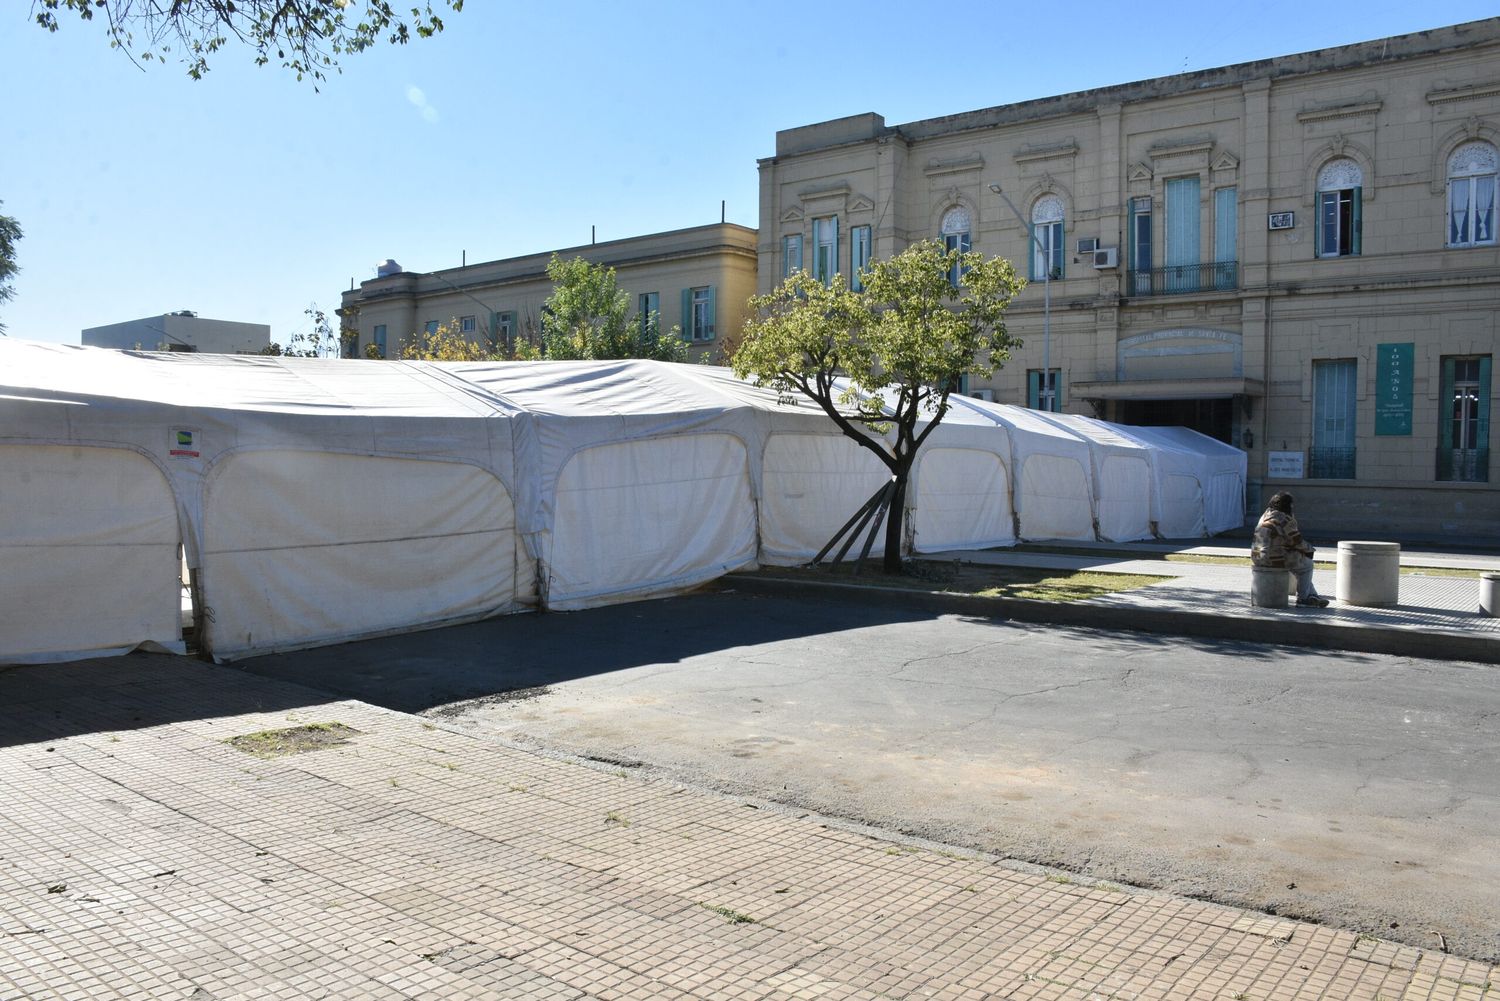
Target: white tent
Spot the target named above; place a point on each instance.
(315, 501)
(318, 501)
(962, 482)
(639, 480)
(1051, 470)
(1123, 480)
(1200, 480)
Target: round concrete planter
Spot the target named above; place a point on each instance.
(1369, 573)
(1489, 594)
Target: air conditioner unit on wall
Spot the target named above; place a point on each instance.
(1107, 257)
(987, 395)
(1088, 246)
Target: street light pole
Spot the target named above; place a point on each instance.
(1046, 393)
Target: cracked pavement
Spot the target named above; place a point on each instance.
(1361, 791)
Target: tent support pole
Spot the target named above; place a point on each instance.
(859, 516)
(885, 503)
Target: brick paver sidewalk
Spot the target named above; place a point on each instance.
(142, 857)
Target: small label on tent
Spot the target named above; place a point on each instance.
(183, 445)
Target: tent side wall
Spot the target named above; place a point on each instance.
(647, 517)
(963, 499)
(89, 549)
(811, 485)
(302, 548)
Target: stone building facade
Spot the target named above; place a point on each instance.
(1295, 255)
(698, 279)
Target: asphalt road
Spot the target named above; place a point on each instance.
(1357, 790)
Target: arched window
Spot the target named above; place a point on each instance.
(955, 228)
(1339, 184)
(1471, 195)
(1047, 238)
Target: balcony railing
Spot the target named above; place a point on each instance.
(1330, 463)
(1181, 279)
(1463, 465)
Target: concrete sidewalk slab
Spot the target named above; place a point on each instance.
(143, 857)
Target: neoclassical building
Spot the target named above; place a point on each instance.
(1296, 255)
(697, 279)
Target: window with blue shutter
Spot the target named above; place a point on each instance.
(859, 256)
(1034, 387)
(1226, 237)
(698, 308)
(791, 255)
(1464, 420)
(1338, 209)
(825, 248)
(1333, 420)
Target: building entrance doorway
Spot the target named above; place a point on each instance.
(1211, 417)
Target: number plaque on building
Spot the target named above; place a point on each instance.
(1281, 220)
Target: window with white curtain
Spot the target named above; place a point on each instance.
(956, 226)
(1047, 238)
(1471, 195)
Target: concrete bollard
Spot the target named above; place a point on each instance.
(1268, 587)
(1369, 573)
(1489, 594)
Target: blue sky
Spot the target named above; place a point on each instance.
(248, 196)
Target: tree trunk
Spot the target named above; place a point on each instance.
(894, 519)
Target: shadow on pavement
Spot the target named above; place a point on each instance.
(518, 654)
(45, 702)
(415, 672)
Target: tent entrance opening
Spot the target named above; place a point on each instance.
(1211, 417)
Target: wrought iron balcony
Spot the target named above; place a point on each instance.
(1330, 463)
(1463, 465)
(1181, 279)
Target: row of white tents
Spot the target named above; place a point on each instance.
(317, 501)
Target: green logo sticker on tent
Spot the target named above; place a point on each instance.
(184, 443)
(1393, 373)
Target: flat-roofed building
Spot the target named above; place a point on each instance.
(1295, 255)
(696, 279)
(183, 330)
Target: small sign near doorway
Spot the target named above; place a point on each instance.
(1281, 220)
(1284, 465)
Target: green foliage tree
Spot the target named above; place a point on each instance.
(587, 317)
(901, 344)
(10, 234)
(308, 37)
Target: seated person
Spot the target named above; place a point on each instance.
(1279, 545)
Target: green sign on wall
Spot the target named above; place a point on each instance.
(1393, 372)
